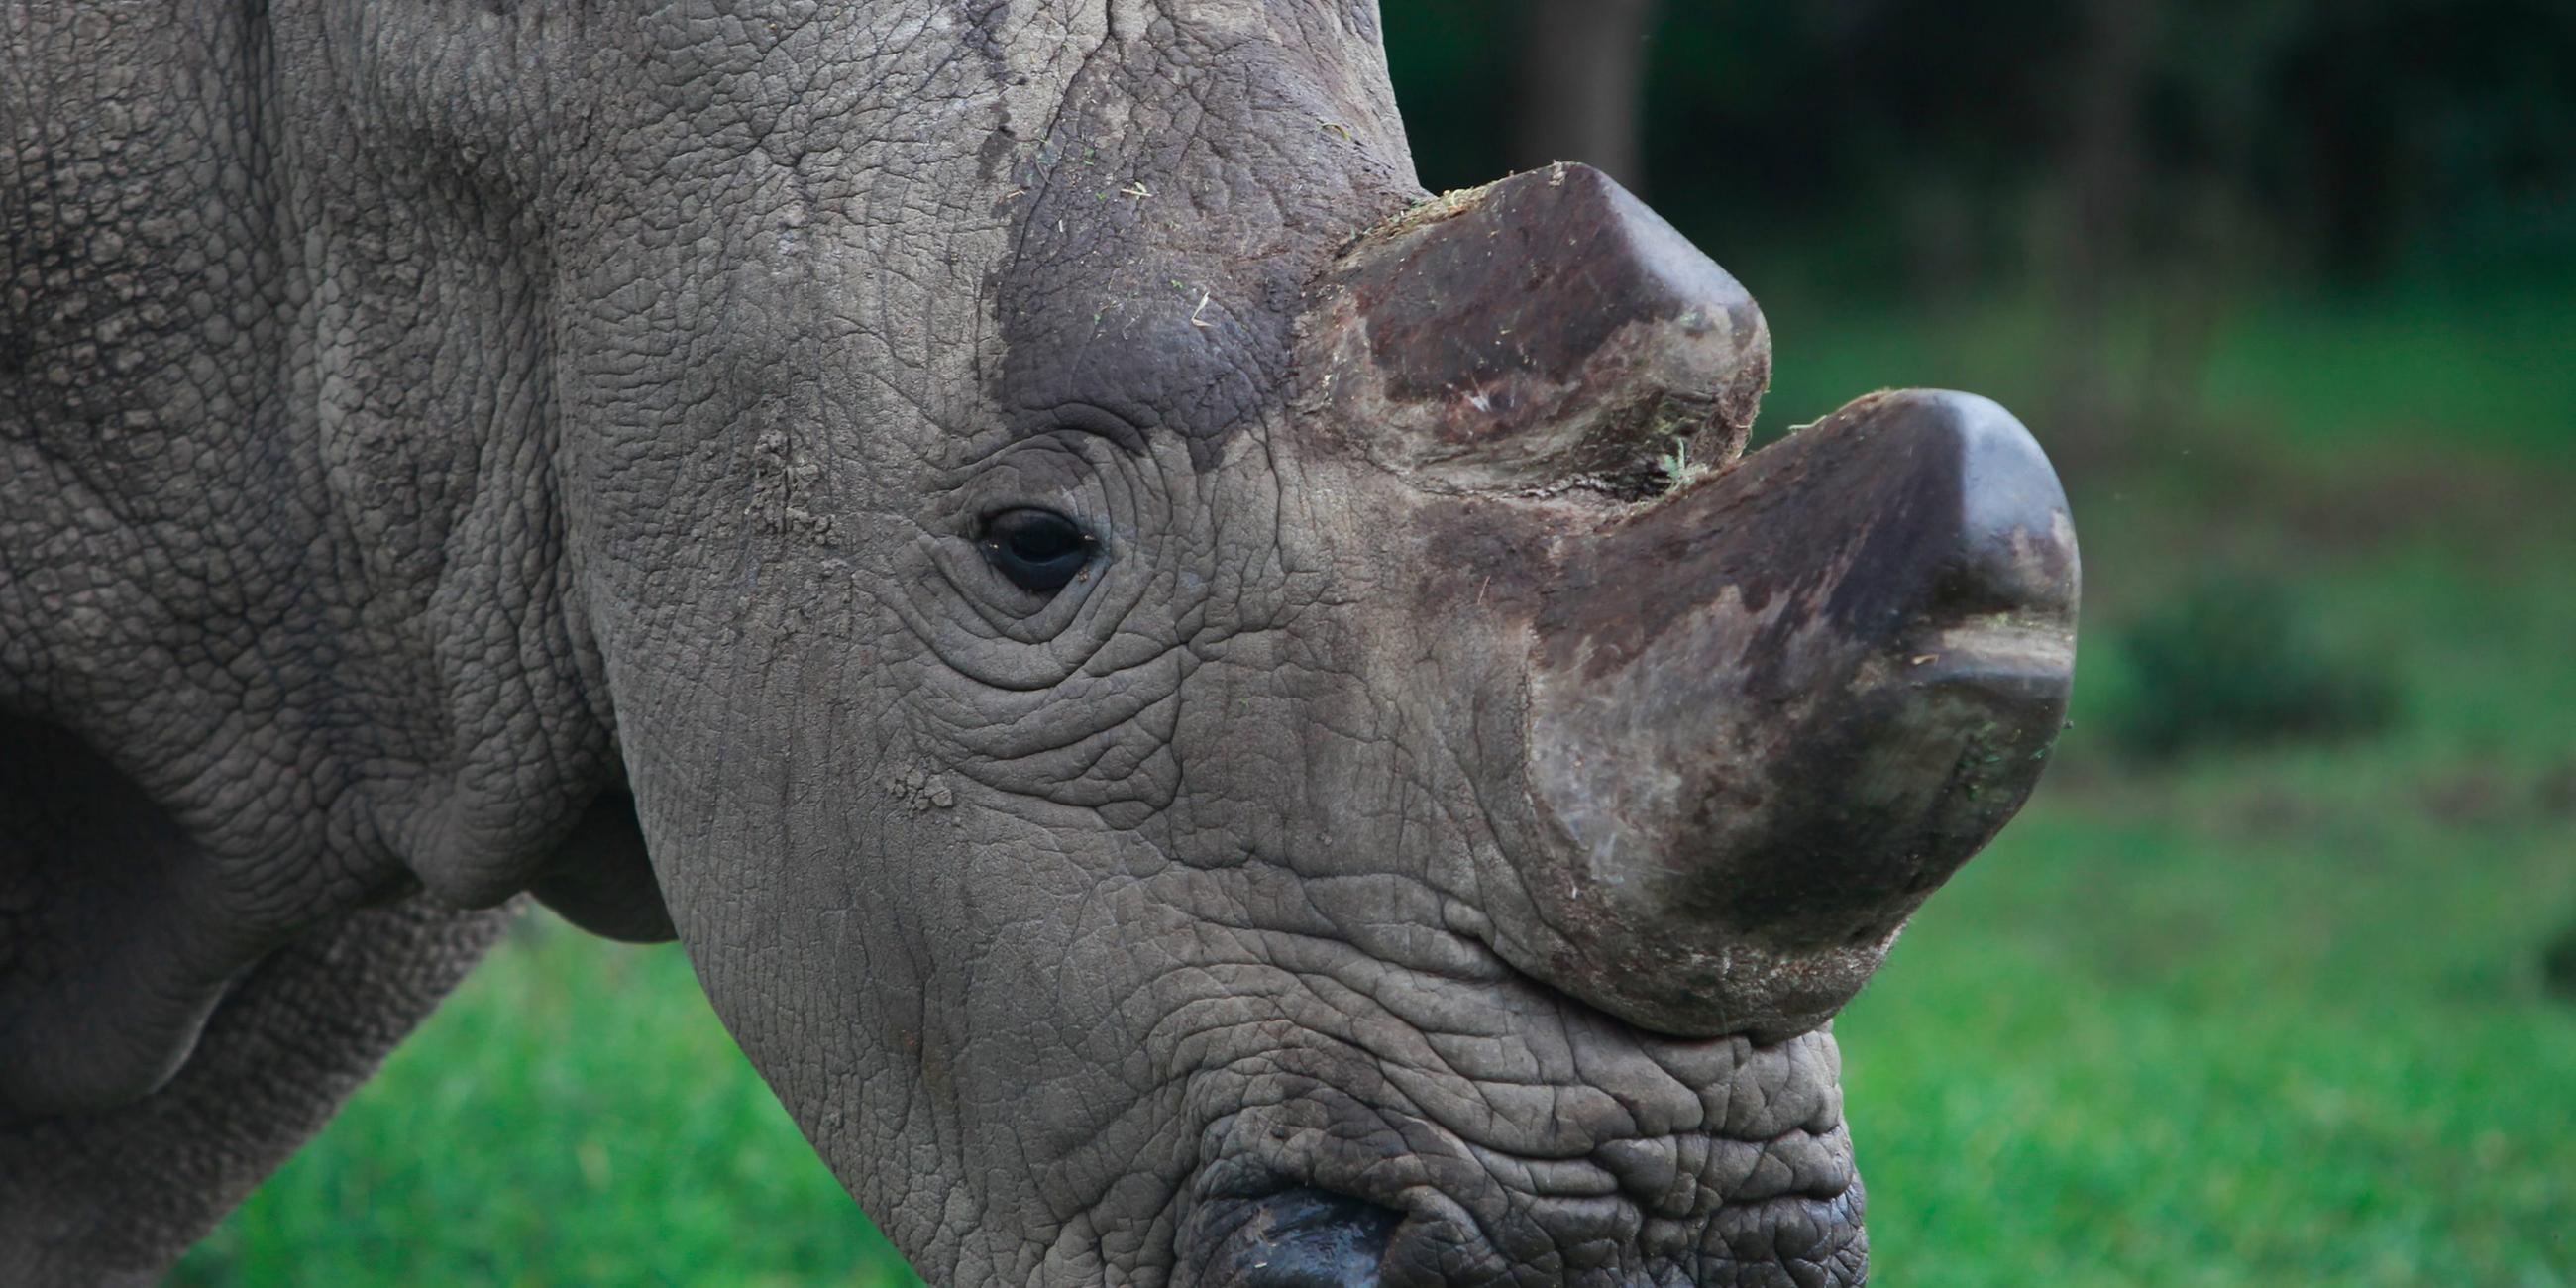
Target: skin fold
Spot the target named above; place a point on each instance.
(455, 450)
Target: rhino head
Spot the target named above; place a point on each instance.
(1176, 714)
(1164, 680)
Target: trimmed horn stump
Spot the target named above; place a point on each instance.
(1539, 331)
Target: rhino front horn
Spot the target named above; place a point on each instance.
(1770, 714)
(1535, 331)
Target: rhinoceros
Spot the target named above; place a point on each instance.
(1204, 718)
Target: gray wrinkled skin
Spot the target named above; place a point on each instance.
(456, 449)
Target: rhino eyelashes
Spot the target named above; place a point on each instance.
(1039, 551)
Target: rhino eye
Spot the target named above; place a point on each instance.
(1039, 550)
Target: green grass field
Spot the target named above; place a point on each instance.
(2266, 1014)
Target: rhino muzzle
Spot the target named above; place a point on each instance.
(1768, 710)
(1726, 731)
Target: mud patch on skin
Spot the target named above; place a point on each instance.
(919, 790)
(785, 479)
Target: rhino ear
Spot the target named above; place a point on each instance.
(1529, 333)
(601, 878)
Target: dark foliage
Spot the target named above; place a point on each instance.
(2558, 964)
(2343, 137)
(2230, 661)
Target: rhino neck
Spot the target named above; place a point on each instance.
(290, 591)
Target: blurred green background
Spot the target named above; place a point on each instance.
(2274, 982)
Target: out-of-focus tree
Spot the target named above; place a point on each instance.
(2100, 187)
(1938, 141)
(1580, 83)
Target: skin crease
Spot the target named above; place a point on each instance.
(489, 413)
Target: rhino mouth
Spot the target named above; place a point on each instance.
(1301, 1236)
(1368, 1177)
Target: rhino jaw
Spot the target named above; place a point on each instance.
(1771, 714)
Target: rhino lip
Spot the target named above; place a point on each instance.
(1301, 1236)
(1450, 1121)
(1392, 1198)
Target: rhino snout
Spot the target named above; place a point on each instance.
(1766, 714)
(1770, 714)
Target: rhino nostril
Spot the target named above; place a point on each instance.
(1302, 1238)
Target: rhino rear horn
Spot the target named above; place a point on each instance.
(1533, 332)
